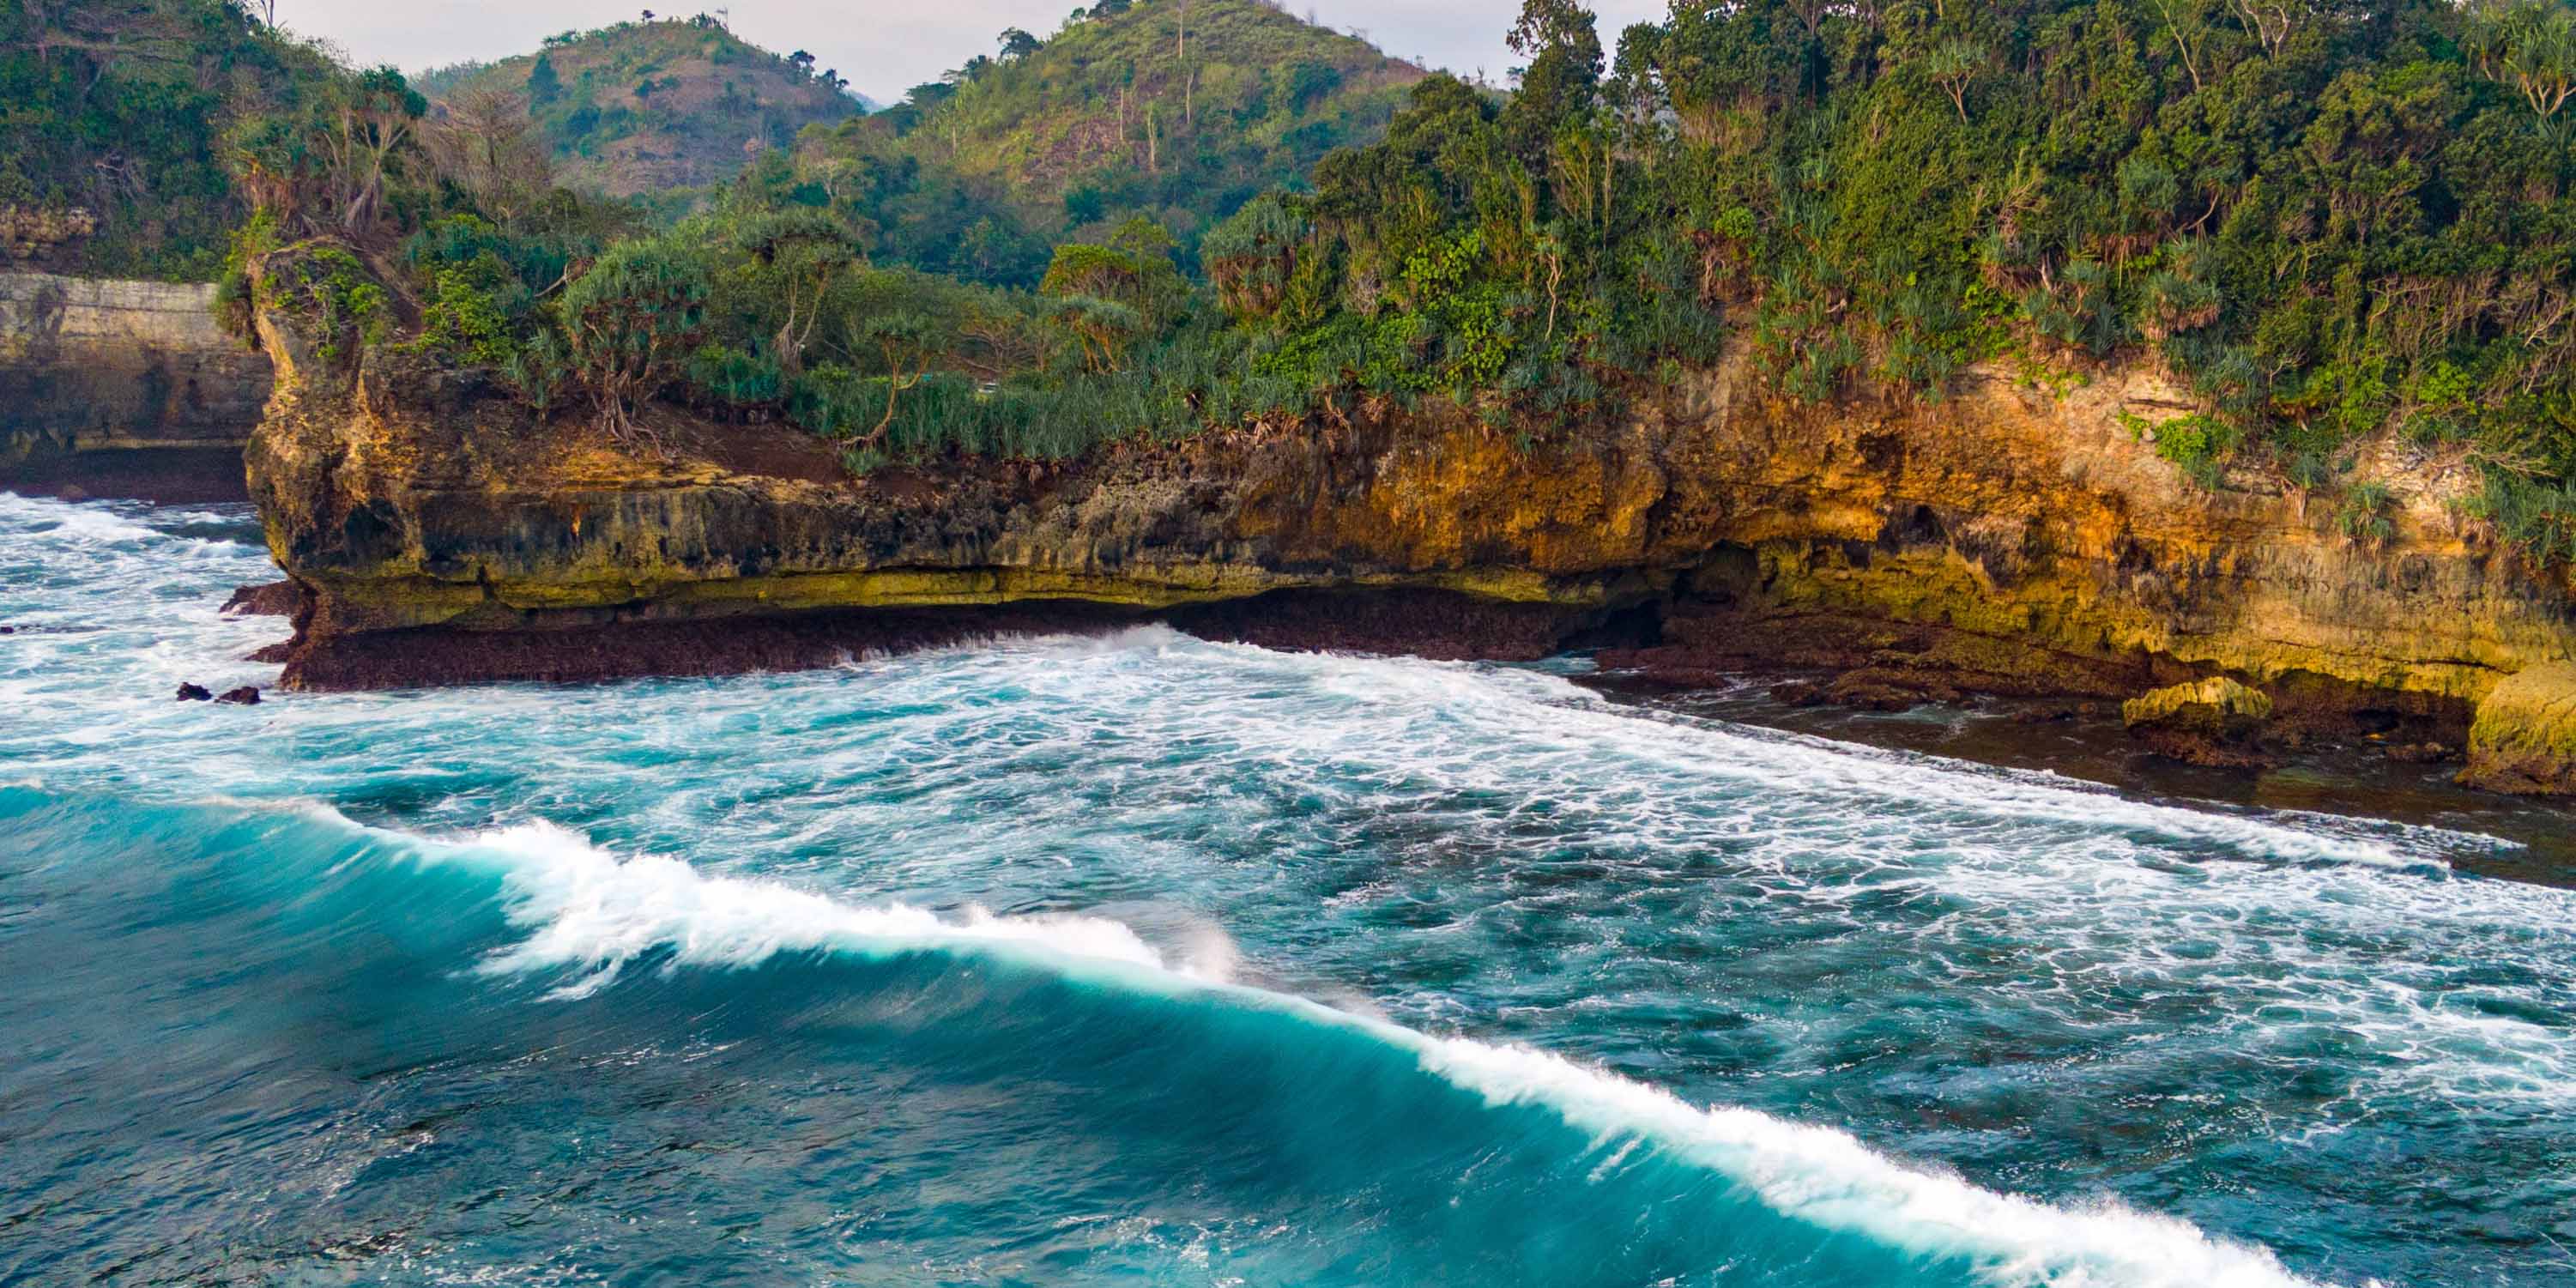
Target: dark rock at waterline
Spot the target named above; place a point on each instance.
(1866, 694)
(2215, 722)
(1428, 623)
(2045, 715)
(445, 655)
(195, 693)
(181, 475)
(1868, 664)
(271, 599)
(2202, 750)
(245, 696)
(1799, 693)
(1435, 624)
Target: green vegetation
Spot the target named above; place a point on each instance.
(116, 106)
(2363, 517)
(1177, 110)
(2330, 221)
(332, 290)
(646, 107)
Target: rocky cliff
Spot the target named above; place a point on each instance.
(2005, 540)
(122, 388)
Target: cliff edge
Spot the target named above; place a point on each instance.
(123, 388)
(2007, 539)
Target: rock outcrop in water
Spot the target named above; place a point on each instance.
(122, 389)
(2007, 540)
(2205, 722)
(268, 599)
(2524, 739)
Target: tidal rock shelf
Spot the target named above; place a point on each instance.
(2007, 540)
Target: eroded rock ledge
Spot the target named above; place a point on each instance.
(2003, 541)
(122, 388)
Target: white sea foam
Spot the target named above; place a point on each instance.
(1537, 713)
(2082, 904)
(586, 909)
(995, 768)
(98, 529)
(71, 523)
(1829, 1179)
(2285, 833)
(1817, 766)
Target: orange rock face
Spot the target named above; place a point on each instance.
(2032, 537)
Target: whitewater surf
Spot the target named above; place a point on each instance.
(1139, 959)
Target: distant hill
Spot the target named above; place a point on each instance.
(644, 107)
(1178, 109)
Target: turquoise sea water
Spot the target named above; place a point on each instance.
(1142, 960)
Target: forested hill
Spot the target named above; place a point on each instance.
(2334, 226)
(119, 109)
(1180, 110)
(643, 107)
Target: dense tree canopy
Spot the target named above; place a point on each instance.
(1177, 110)
(116, 106)
(2330, 221)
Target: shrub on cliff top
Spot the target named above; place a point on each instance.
(630, 323)
(2326, 222)
(331, 294)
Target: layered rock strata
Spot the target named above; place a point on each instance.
(2003, 540)
(123, 389)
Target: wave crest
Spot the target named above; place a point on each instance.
(582, 907)
(1830, 1179)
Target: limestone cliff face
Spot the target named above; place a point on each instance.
(102, 380)
(2014, 539)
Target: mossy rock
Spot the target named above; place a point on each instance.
(2524, 738)
(2217, 707)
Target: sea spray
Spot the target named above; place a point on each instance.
(1661, 998)
(581, 906)
(576, 914)
(586, 907)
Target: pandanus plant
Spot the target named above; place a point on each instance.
(629, 324)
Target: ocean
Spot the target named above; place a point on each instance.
(1138, 959)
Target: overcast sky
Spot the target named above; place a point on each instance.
(883, 46)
